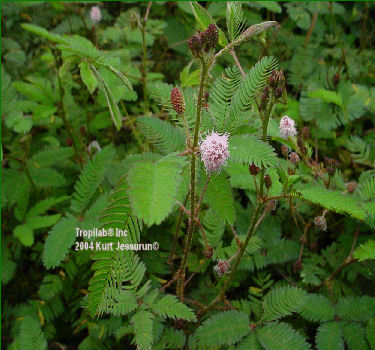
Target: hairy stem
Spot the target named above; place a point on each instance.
(181, 280)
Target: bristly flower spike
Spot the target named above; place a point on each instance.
(95, 14)
(178, 101)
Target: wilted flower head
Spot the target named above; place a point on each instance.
(95, 14)
(214, 151)
(351, 186)
(222, 267)
(320, 223)
(294, 158)
(287, 127)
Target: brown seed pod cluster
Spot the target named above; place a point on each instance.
(178, 101)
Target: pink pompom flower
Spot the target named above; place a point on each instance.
(287, 127)
(214, 151)
(95, 14)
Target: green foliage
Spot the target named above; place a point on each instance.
(153, 188)
(223, 328)
(31, 335)
(169, 306)
(282, 301)
(280, 336)
(329, 337)
(317, 308)
(365, 251)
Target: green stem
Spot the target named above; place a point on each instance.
(181, 280)
(144, 67)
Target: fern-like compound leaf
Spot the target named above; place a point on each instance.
(317, 308)
(248, 149)
(360, 309)
(283, 301)
(143, 328)
(332, 200)
(153, 187)
(250, 342)
(170, 306)
(254, 81)
(329, 337)
(225, 328)
(92, 175)
(31, 335)
(281, 336)
(355, 336)
(235, 19)
(162, 134)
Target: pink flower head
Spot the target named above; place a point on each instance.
(95, 14)
(222, 267)
(214, 151)
(287, 127)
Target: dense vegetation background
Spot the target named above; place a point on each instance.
(86, 100)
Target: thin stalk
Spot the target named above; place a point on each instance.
(233, 54)
(254, 224)
(181, 280)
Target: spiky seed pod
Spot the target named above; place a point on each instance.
(285, 151)
(294, 158)
(263, 102)
(351, 186)
(212, 34)
(268, 181)
(195, 45)
(299, 141)
(287, 127)
(320, 223)
(178, 101)
(214, 151)
(253, 169)
(95, 14)
(222, 267)
(305, 132)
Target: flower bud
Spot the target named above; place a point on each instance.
(320, 223)
(267, 181)
(336, 79)
(305, 132)
(178, 101)
(263, 102)
(331, 165)
(351, 186)
(278, 92)
(214, 151)
(272, 79)
(253, 169)
(212, 34)
(271, 205)
(222, 267)
(195, 45)
(294, 158)
(285, 151)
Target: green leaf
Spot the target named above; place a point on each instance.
(224, 328)
(220, 198)
(143, 329)
(88, 76)
(153, 187)
(45, 34)
(123, 78)
(25, 234)
(317, 308)
(235, 19)
(59, 240)
(171, 307)
(281, 336)
(283, 301)
(370, 330)
(31, 336)
(365, 251)
(355, 336)
(329, 337)
(249, 343)
(37, 222)
(327, 96)
(204, 19)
